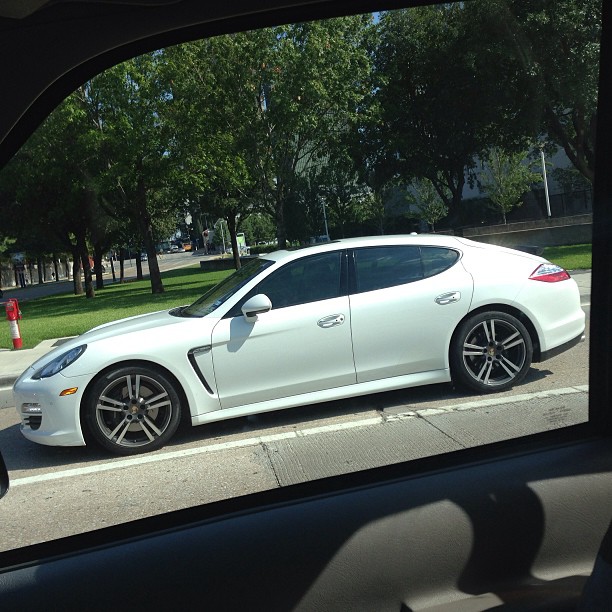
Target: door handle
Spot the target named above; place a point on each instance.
(331, 321)
(448, 298)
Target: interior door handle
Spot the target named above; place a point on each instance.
(448, 298)
(331, 321)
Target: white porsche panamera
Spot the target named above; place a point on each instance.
(291, 328)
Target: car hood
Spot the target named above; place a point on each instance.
(119, 329)
(131, 324)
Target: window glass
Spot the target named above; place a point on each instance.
(306, 280)
(212, 299)
(458, 120)
(436, 260)
(381, 267)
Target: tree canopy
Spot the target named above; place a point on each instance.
(307, 124)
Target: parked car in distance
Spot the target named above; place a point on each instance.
(331, 321)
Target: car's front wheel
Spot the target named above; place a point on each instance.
(491, 351)
(132, 410)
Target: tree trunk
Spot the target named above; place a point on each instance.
(40, 264)
(154, 272)
(121, 265)
(77, 279)
(139, 275)
(112, 265)
(98, 266)
(231, 227)
(281, 231)
(145, 228)
(576, 149)
(84, 258)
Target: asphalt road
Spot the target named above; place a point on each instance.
(60, 491)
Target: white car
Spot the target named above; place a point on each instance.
(332, 321)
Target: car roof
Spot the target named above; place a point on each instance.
(369, 241)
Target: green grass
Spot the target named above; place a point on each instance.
(67, 314)
(571, 257)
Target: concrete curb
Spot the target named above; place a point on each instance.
(14, 362)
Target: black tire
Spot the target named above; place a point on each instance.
(490, 351)
(132, 409)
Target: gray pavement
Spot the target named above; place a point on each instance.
(14, 362)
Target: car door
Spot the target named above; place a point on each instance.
(405, 303)
(303, 344)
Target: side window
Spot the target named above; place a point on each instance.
(382, 267)
(306, 280)
(437, 259)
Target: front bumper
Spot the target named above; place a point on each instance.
(46, 416)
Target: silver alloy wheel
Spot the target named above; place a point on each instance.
(135, 410)
(494, 352)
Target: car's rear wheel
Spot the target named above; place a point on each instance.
(132, 410)
(491, 351)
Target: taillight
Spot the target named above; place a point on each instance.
(549, 273)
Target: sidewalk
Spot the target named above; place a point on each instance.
(14, 362)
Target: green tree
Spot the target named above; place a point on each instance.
(423, 67)
(312, 85)
(259, 227)
(50, 179)
(453, 80)
(213, 103)
(263, 107)
(340, 190)
(505, 178)
(427, 66)
(557, 46)
(131, 103)
(430, 207)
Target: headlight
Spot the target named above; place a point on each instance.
(60, 362)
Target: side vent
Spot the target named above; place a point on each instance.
(191, 355)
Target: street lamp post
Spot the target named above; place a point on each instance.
(325, 219)
(545, 181)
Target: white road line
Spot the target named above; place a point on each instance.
(369, 422)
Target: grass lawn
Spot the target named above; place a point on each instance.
(571, 257)
(66, 314)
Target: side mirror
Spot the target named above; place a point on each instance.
(258, 304)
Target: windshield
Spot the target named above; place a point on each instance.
(216, 296)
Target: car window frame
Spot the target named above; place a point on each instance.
(600, 367)
(354, 265)
(235, 310)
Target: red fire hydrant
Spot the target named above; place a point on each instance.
(13, 314)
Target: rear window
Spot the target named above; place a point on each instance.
(389, 266)
(436, 260)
